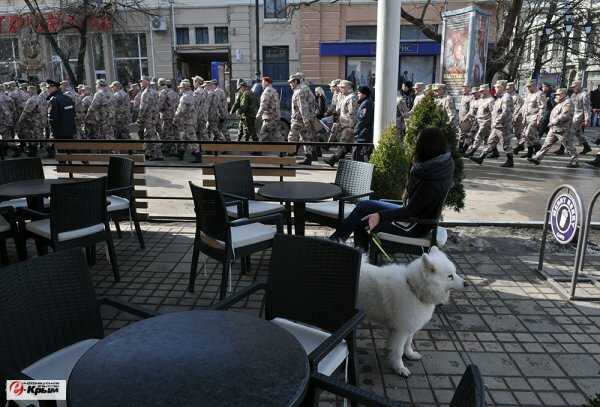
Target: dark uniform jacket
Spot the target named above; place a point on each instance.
(61, 116)
(363, 129)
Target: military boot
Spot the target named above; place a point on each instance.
(528, 154)
(509, 162)
(470, 153)
(595, 162)
(337, 156)
(519, 147)
(308, 159)
(479, 160)
(560, 151)
(463, 149)
(495, 153)
(536, 147)
(586, 148)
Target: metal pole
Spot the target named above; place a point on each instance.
(563, 72)
(257, 73)
(386, 64)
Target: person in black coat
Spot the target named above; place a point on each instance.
(61, 113)
(363, 129)
(429, 178)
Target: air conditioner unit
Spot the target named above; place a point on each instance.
(158, 23)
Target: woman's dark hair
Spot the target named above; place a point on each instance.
(431, 142)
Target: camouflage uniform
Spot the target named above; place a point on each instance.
(7, 116)
(148, 119)
(33, 120)
(533, 112)
(270, 114)
(168, 100)
(20, 98)
(122, 114)
(502, 113)
(402, 113)
(248, 109)
(447, 103)
(234, 110)
(464, 119)
(301, 118)
(561, 129)
(472, 118)
(79, 115)
(101, 113)
(86, 101)
(583, 110)
(135, 109)
(518, 119)
(185, 119)
(201, 96)
(484, 120)
(213, 127)
(221, 99)
(348, 107)
(334, 110)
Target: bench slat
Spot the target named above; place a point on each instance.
(139, 158)
(254, 159)
(98, 145)
(261, 172)
(242, 146)
(81, 169)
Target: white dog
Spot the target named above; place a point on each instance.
(402, 298)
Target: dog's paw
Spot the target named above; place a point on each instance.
(402, 371)
(413, 355)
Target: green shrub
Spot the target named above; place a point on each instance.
(428, 114)
(391, 166)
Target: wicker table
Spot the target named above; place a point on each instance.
(299, 192)
(193, 358)
(34, 190)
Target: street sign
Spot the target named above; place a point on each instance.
(563, 218)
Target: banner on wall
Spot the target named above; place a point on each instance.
(464, 47)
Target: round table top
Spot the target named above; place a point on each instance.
(193, 358)
(31, 187)
(299, 191)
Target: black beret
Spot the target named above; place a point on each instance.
(364, 89)
(50, 82)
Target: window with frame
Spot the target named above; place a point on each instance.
(130, 55)
(201, 35)
(275, 9)
(69, 44)
(9, 57)
(182, 35)
(221, 35)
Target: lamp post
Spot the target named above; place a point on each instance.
(256, 15)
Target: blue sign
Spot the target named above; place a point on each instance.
(370, 49)
(563, 218)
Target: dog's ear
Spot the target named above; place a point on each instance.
(427, 264)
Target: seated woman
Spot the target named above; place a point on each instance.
(430, 176)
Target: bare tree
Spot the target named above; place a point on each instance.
(80, 17)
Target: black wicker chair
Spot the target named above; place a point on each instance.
(120, 191)
(413, 245)
(49, 316)
(225, 240)
(77, 218)
(354, 178)
(8, 229)
(234, 180)
(311, 292)
(21, 169)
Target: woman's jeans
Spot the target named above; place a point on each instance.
(354, 224)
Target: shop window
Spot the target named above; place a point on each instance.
(275, 9)
(130, 56)
(221, 35)
(201, 35)
(361, 33)
(182, 36)
(69, 44)
(9, 57)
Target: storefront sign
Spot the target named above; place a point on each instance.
(370, 49)
(563, 218)
(55, 22)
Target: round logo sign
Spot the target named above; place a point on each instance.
(563, 218)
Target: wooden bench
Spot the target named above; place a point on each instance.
(98, 152)
(273, 165)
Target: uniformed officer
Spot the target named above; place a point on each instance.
(168, 100)
(419, 93)
(186, 121)
(67, 90)
(235, 109)
(502, 113)
(582, 115)
(517, 120)
(122, 111)
(301, 118)
(532, 112)
(561, 129)
(402, 113)
(221, 98)
(7, 117)
(86, 100)
(464, 120)
(149, 117)
(101, 113)
(347, 120)
(471, 117)
(200, 95)
(269, 111)
(214, 106)
(443, 99)
(484, 119)
(333, 111)
(363, 129)
(33, 120)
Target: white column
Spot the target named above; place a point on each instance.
(386, 69)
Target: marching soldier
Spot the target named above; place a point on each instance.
(20, 98)
(101, 112)
(269, 112)
(221, 99)
(236, 107)
(149, 117)
(347, 120)
(501, 126)
(463, 115)
(333, 110)
(446, 102)
(86, 100)
(532, 112)
(484, 119)
(185, 120)
(301, 119)
(517, 122)
(561, 129)
(135, 95)
(67, 90)
(419, 93)
(33, 120)
(44, 90)
(200, 95)
(583, 112)
(122, 111)
(168, 100)
(402, 114)
(247, 110)
(212, 100)
(471, 117)
(7, 116)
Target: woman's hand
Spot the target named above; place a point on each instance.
(373, 220)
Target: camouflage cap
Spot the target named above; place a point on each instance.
(560, 91)
(531, 82)
(161, 81)
(80, 86)
(185, 85)
(466, 85)
(10, 84)
(345, 83)
(240, 82)
(437, 86)
(198, 79)
(301, 75)
(168, 81)
(510, 84)
(294, 77)
(116, 84)
(428, 86)
(500, 82)
(67, 83)
(32, 88)
(419, 85)
(335, 82)
(23, 86)
(484, 86)
(575, 83)
(145, 78)
(475, 89)
(101, 82)
(43, 85)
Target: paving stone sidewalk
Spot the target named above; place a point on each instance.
(534, 347)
